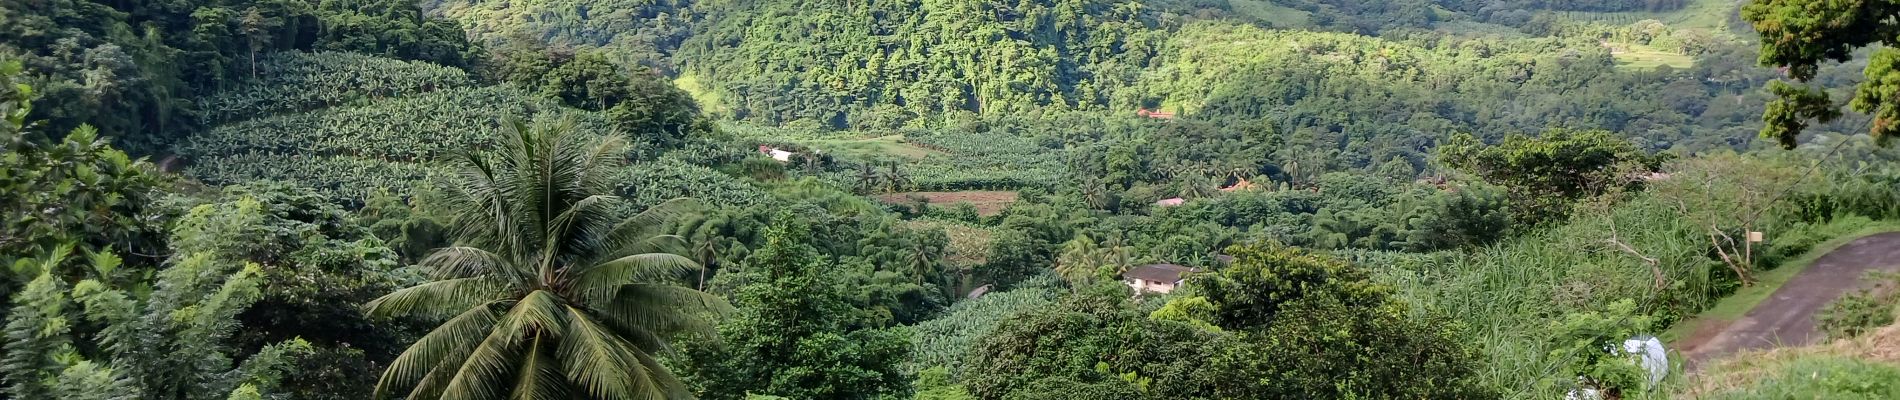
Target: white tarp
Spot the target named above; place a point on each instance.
(1644, 350)
(1650, 354)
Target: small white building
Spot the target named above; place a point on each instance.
(1156, 278)
(776, 154)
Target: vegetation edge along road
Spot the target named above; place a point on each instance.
(1786, 317)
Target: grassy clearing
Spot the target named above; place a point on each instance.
(969, 243)
(987, 202)
(1735, 306)
(894, 145)
(1711, 15)
(1478, 29)
(1636, 56)
(707, 99)
(1279, 16)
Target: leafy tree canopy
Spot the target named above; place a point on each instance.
(1801, 34)
(1546, 173)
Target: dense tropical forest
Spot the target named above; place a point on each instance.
(928, 199)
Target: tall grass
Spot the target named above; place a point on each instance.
(1509, 294)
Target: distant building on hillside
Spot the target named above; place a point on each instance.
(1156, 114)
(1171, 202)
(1156, 278)
(776, 154)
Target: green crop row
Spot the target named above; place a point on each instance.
(415, 128)
(343, 177)
(352, 151)
(296, 81)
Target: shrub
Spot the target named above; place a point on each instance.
(1804, 236)
(1863, 310)
(946, 340)
(1822, 377)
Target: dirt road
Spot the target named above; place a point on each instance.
(1786, 318)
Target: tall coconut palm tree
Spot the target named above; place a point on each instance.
(923, 258)
(1081, 259)
(546, 294)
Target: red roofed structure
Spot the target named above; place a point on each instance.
(1156, 114)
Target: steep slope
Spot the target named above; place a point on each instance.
(881, 64)
(350, 125)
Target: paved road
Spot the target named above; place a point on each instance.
(1786, 318)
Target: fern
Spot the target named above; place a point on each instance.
(86, 380)
(173, 347)
(37, 328)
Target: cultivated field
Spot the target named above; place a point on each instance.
(987, 202)
(1278, 15)
(1711, 15)
(895, 145)
(1636, 56)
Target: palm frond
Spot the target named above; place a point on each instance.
(540, 375)
(665, 385)
(480, 376)
(646, 312)
(446, 344)
(467, 261)
(601, 363)
(438, 378)
(570, 228)
(675, 244)
(438, 299)
(637, 268)
(600, 161)
(488, 214)
(622, 239)
(539, 311)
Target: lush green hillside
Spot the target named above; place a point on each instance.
(295, 82)
(387, 130)
(135, 70)
(923, 199)
(891, 64)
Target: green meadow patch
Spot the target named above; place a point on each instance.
(1279, 16)
(1711, 15)
(893, 145)
(1636, 56)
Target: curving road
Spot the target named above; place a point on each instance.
(1786, 318)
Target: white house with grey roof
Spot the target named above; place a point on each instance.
(1156, 278)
